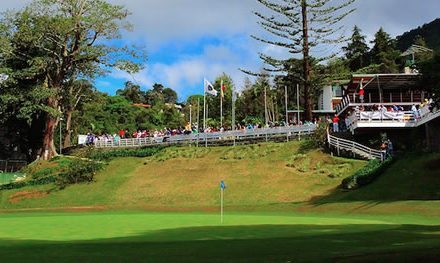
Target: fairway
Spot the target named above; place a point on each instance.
(200, 236)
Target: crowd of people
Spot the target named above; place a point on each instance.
(166, 133)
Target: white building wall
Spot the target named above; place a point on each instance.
(325, 99)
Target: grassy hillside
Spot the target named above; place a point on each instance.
(256, 175)
(265, 177)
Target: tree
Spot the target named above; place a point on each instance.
(356, 51)
(57, 40)
(300, 26)
(73, 97)
(132, 92)
(169, 95)
(384, 52)
(155, 95)
(430, 79)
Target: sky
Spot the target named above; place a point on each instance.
(189, 40)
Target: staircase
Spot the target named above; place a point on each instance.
(358, 150)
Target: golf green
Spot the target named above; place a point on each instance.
(131, 236)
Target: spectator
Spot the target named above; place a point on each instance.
(361, 94)
(336, 123)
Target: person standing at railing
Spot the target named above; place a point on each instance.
(389, 148)
(415, 112)
(336, 123)
(361, 95)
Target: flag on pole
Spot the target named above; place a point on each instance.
(222, 90)
(209, 88)
(222, 185)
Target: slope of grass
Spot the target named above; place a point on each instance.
(188, 177)
(413, 177)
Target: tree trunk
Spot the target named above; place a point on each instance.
(308, 105)
(67, 130)
(48, 149)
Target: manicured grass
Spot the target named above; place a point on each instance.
(180, 237)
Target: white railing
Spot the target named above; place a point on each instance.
(209, 138)
(354, 147)
(409, 118)
(345, 103)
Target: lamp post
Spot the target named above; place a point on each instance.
(61, 119)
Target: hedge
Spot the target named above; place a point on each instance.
(114, 153)
(39, 181)
(367, 174)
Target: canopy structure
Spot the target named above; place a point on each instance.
(383, 81)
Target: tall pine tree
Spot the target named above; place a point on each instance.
(384, 52)
(300, 26)
(356, 51)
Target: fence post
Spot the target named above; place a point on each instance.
(352, 149)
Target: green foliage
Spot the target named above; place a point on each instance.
(78, 171)
(430, 80)
(34, 182)
(289, 22)
(356, 50)
(367, 174)
(319, 137)
(384, 52)
(99, 154)
(430, 32)
(48, 45)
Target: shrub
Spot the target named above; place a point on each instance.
(78, 171)
(99, 154)
(367, 174)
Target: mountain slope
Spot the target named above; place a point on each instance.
(430, 32)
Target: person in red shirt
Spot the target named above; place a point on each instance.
(121, 133)
(361, 94)
(336, 123)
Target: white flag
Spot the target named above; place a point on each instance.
(209, 88)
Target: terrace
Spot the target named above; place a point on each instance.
(388, 90)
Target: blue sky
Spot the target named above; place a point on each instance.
(187, 40)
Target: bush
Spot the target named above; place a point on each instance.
(40, 181)
(78, 171)
(99, 154)
(367, 174)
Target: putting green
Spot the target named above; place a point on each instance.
(195, 237)
(92, 226)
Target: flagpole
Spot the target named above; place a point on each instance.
(221, 104)
(297, 103)
(204, 108)
(233, 112)
(221, 205)
(198, 121)
(287, 113)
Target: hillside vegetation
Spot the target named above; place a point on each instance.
(430, 32)
(263, 177)
(256, 175)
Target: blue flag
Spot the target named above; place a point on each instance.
(222, 185)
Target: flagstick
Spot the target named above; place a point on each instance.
(221, 205)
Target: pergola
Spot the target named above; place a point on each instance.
(386, 88)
